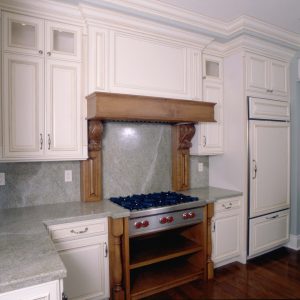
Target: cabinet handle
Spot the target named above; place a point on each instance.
(273, 217)
(41, 141)
(204, 77)
(204, 141)
(255, 168)
(271, 91)
(49, 141)
(49, 53)
(227, 207)
(41, 52)
(105, 249)
(79, 232)
(213, 229)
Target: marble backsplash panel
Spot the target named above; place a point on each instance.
(136, 159)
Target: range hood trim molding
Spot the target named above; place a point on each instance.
(124, 107)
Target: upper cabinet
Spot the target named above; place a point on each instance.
(208, 139)
(41, 95)
(212, 68)
(141, 64)
(266, 77)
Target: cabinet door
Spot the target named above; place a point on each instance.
(212, 67)
(45, 291)
(278, 78)
(226, 236)
(257, 73)
(86, 262)
(142, 64)
(63, 41)
(268, 232)
(63, 108)
(23, 106)
(210, 135)
(269, 166)
(23, 34)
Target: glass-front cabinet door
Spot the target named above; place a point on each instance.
(212, 67)
(23, 34)
(63, 41)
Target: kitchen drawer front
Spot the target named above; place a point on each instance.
(267, 109)
(227, 204)
(80, 229)
(268, 232)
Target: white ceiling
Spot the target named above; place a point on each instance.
(282, 13)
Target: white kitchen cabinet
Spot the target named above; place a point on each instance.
(63, 125)
(208, 139)
(226, 231)
(46, 291)
(23, 106)
(266, 77)
(41, 103)
(268, 232)
(212, 67)
(83, 248)
(269, 182)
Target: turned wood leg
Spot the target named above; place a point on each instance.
(210, 264)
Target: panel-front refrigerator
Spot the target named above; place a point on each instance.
(269, 175)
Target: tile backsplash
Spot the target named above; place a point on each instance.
(136, 159)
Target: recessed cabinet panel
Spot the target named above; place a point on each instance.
(209, 139)
(257, 72)
(23, 106)
(148, 66)
(227, 237)
(269, 182)
(63, 105)
(278, 77)
(212, 67)
(23, 34)
(268, 232)
(63, 41)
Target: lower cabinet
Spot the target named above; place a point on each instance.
(268, 232)
(226, 231)
(46, 291)
(83, 248)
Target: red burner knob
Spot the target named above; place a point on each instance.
(185, 216)
(191, 215)
(138, 225)
(170, 219)
(145, 223)
(163, 220)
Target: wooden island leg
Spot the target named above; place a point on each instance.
(209, 262)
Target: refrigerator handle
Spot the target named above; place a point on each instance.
(255, 169)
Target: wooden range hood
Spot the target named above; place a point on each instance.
(183, 114)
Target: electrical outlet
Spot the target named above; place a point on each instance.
(200, 167)
(68, 175)
(2, 178)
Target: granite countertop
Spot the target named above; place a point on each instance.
(27, 254)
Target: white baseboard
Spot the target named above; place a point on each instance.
(294, 242)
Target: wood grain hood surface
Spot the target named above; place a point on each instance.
(124, 107)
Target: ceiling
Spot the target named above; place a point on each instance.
(282, 13)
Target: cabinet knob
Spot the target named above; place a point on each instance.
(41, 52)
(49, 53)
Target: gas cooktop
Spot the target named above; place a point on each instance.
(153, 200)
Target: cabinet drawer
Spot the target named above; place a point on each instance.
(78, 229)
(227, 204)
(268, 232)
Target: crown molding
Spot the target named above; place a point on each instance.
(45, 9)
(220, 30)
(252, 44)
(111, 19)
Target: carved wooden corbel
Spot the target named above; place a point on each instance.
(91, 169)
(182, 135)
